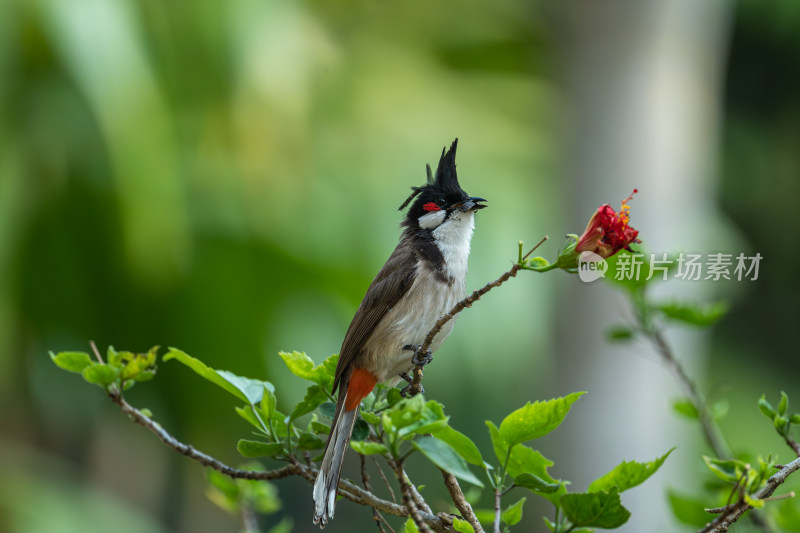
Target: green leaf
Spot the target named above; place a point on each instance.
(368, 448)
(431, 419)
(371, 418)
(535, 483)
(442, 455)
(628, 474)
(268, 403)
(729, 470)
(315, 396)
(535, 420)
(246, 389)
(595, 509)
(103, 375)
(394, 396)
(783, 404)
(697, 315)
(71, 361)
(249, 417)
(461, 444)
(410, 527)
(462, 526)
(255, 448)
(688, 510)
(795, 419)
(327, 409)
(360, 430)
(686, 408)
(620, 333)
(766, 408)
(403, 414)
(309, 441)
(302, 366)
(522, 459)
(513, 513)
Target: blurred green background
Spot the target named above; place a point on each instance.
(224, 177)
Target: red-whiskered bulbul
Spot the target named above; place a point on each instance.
(422, 280)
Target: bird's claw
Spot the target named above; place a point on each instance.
(405, 392)
(419, 358)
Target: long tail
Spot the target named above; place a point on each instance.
(352, 390)
(327, 484)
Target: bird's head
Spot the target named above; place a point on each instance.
(441, 200)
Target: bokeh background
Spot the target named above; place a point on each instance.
(224, 177)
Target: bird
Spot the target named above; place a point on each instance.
(424, 277)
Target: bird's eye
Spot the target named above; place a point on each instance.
(441, 202)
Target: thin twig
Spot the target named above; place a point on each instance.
(249, 520)
(385, 479)
(416, 387)
(793, 444)
(736, 510)
(365, 480)
(717, 445)
(408, 498)
(461, 502)
(497, 509)
(96, 352)
(347, 489)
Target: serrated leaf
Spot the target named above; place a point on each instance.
(522, 459)
(628, 474)
(697, 315)
(255, 448)
(686, 408)
(535, 420)
(442, 455)
(368, 448)
(729, 470)
(462, 526)
(393, 396)
(535, 483)
(315, 396)
(71, 361)
(246, 389)
(302, 366)
(461, 444)
(431, 419)
(513, 513)
(98, 374)
(595, 509)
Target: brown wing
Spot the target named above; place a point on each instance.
(391, 283)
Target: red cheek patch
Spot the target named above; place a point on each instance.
(430, 206)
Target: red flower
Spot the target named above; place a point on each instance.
(608, 232)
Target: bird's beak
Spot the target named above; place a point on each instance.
(472, 204)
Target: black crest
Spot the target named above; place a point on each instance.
(446, 179)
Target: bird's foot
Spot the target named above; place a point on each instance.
(406, 377)
(405, 392)
(419, 358)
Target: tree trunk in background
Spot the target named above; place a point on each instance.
(642, 88)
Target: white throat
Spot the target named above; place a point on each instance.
(453, 238)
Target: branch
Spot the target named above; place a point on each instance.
(732, 513)
(365, 480)
(347, 489)
(792, 444)
(497, 510)
(718, 445)
(461, 503)
(409, 498)
(416, 383)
